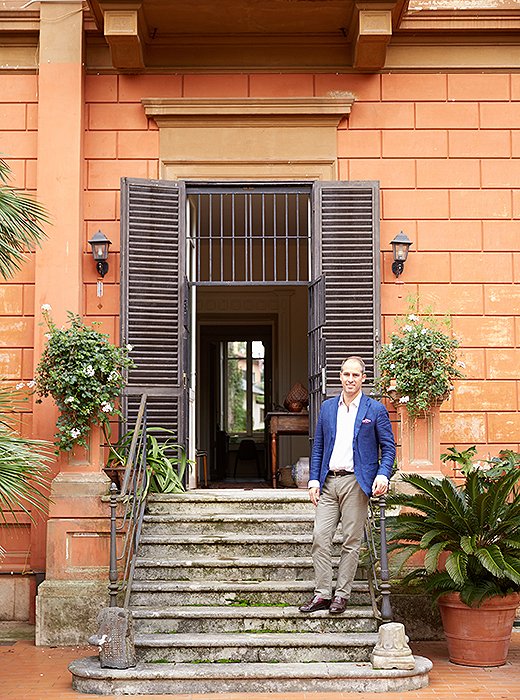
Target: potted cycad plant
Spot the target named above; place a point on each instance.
(468, 534)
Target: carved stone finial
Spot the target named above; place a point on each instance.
(392, 650)
(115, 638)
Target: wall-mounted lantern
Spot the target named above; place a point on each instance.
(400, 247)
(100, 245)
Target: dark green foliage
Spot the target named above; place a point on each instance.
(476, 524)
(83, 372)
(166, 460)
(21, 224)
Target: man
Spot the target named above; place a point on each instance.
(352, 458)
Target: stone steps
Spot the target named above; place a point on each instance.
(230, 545)
(228, 569)
(233, 593)
(270, 522)
(215, 619)
(218, 581)
(170, 679)
(230, 501)
(261, 647)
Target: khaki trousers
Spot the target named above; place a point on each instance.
(342, 498)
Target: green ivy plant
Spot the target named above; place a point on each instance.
(417, 367)
(83, 372)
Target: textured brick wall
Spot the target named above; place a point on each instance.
(446, 149)
(18, 137)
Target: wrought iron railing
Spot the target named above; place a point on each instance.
(127, 507)
(377, 558)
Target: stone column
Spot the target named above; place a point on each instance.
(71, 551)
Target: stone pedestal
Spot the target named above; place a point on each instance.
(78, 546)
(420, 441)
(392, 650)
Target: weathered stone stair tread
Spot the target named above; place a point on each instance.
(228, 538)
(233, 586)
(170, 678)
(215, 611)
(223, 561)
(259, 639)
(233, 495)
(230, 517)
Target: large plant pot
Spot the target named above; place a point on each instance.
(478, 636)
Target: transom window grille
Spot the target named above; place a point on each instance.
(250, 234)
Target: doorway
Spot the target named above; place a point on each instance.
(299, 258)
(249, 247)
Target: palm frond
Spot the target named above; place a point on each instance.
(21, 224)
(431, 558)
(457, 567)
(24, 474)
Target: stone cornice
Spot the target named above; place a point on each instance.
(242, 111)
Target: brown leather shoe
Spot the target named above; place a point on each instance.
(338, 605)
(315, 603)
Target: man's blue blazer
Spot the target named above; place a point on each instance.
(374, 445)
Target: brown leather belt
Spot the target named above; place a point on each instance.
(339, 472)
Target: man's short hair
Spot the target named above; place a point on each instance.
(358, 359)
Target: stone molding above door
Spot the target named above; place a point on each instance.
(249, 138)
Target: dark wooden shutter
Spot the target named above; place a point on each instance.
(346, 255)
(316, 351)
(152, 291)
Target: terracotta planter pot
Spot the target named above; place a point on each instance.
(478, 636)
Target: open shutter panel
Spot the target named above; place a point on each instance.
(152, 265)
(346, 255)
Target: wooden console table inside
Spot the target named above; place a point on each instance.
(284, 423)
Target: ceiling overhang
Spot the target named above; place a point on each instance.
(140, 34)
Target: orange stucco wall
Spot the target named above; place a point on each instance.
(446, 149)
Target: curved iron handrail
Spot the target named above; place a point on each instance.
(127, 512)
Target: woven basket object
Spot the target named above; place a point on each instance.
(297, 398)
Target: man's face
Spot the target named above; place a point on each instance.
(351, 377)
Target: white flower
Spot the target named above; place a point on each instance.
(390, 346)
(69, 399)
(48, 336)
(75, 432)
(31, 384)
(415, 335)
(106, 407)
(20, 385)
(392, 366)
(46, 307)
(412, 317)
(424, 331)
(129, 347)
(89, 371)
(113, 376)
(404, 399)
(408, 328)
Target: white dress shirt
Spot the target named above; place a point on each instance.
(342, 456)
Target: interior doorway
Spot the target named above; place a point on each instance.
(248, 263)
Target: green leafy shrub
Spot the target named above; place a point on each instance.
(418, 366)
(83, 372)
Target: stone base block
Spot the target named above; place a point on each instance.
(66, 611)
(164, 679)
(418, 614)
